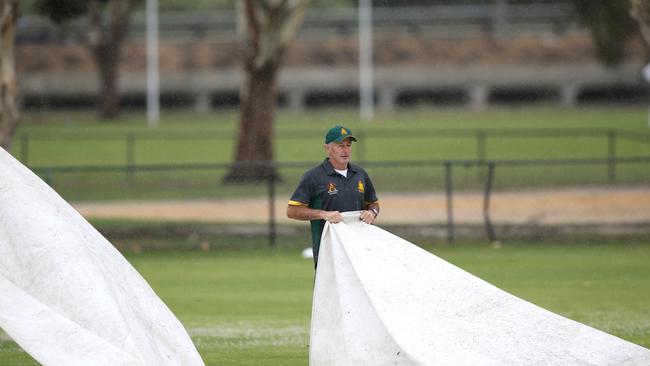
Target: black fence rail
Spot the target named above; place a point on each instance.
(447, 166)
(482, 137)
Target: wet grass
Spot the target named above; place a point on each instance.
(252, 307)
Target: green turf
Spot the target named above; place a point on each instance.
(77, 138)
(245, 307)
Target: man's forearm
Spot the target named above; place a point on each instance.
(304, 213)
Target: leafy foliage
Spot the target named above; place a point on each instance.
(61, 10)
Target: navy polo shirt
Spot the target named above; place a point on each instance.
(325, 189)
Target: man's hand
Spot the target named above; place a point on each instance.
(332, 216)
(367, 216)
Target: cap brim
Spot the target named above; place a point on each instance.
(346, 137)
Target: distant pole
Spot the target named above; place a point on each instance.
(153, 74)
(450, 202)
(500, 25)
(366, 101)
(646, 76)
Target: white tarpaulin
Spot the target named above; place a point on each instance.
(380, 300)
(67, 296)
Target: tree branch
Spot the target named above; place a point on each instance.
(253, 24)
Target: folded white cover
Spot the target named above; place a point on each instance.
(380, 300)
(67, 296)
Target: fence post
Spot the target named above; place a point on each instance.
(486, 203)
(49, 178)
(480, 152)
(130, 158)
(24, 148)
(611, 156)
(362, 147)
(450, 209)
(272, 229)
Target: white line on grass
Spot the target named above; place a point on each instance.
(248, 334)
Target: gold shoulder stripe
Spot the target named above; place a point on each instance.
(296, 203)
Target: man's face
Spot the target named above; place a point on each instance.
(339, 153)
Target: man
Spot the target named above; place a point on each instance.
(333, 187)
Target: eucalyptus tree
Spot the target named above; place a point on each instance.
(8, 84)
(108, 21)
(267, 27)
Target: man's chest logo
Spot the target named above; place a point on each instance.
(360, 187)
(331, 188)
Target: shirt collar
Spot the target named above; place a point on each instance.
(329, 169)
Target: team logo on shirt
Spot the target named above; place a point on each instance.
(331, 188)
(360, 187)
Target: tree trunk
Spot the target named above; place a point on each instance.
(268, 28)
(8, 84)
(106, 45)
(107, 58)
(255, 142)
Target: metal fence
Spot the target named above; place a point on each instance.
(447, 166)
(610, 141)
(609, 166)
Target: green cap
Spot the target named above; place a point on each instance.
(338, 134)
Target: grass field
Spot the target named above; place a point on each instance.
(66, 138)
(245, 307)
(252, 306)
